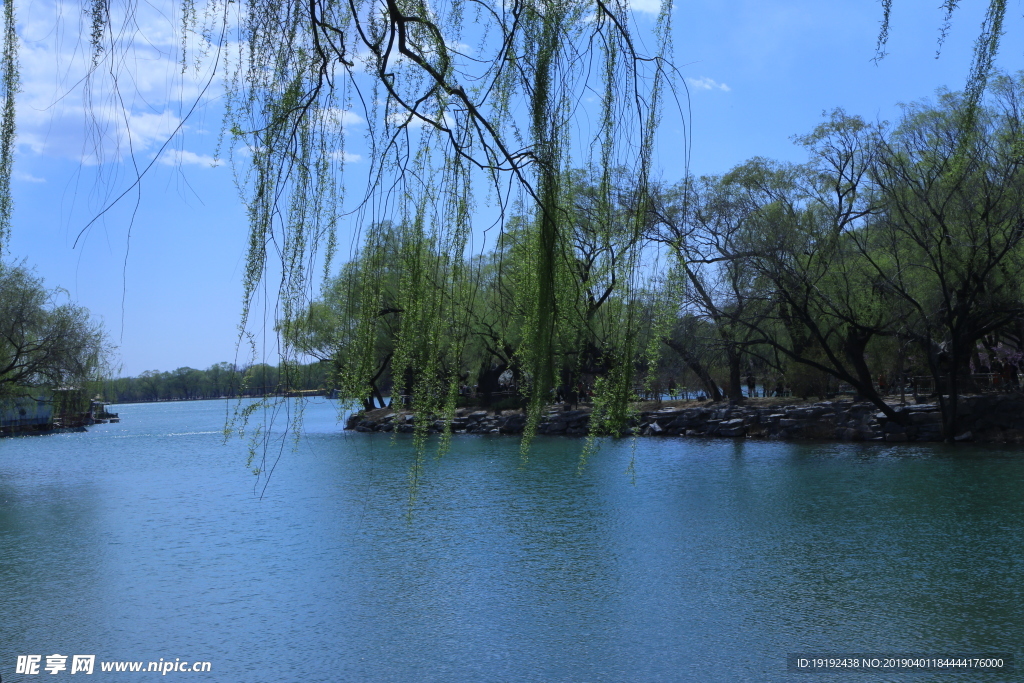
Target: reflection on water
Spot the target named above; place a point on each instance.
(145, 539)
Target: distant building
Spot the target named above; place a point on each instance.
(25, 411)
(63, 409)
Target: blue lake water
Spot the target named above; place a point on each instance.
(708, 560)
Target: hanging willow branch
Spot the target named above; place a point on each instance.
(446, 122)
(473, 112)
(8, 91)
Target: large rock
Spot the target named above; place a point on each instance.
(992, 417)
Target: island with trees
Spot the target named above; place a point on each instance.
(886, 267)
(880, 278)
(887, 263)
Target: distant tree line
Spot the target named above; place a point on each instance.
(220, 380)
(894, 252)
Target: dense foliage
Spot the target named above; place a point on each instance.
(812, 269)
(894, 251)
(446, 123)
(44, 342)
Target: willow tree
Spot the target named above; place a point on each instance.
(466, 104)
(952, 230)
(44, 342)
(447, 124)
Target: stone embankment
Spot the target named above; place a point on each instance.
(991, 418)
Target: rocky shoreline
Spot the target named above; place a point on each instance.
(993, 418)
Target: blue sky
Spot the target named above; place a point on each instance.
(163, 268)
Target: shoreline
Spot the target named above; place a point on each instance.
(984, 418)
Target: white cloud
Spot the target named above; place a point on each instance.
(183, 157)
(246, 151)
(109, 136)
(335, 116)
(366, 62)
(66, 112)
(27, 177)
(347, 157)
(705, 83)
(645, 6)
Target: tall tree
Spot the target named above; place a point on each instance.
(44, 342)
(708, 225)
(445, 121)
(948, 249)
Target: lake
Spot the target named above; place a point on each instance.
(659, 560)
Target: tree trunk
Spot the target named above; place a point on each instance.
(374, 391)
(702, 374)
(488, 381)
(735, 374)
